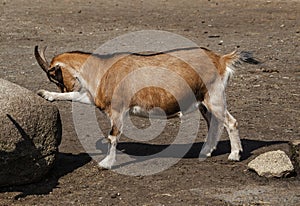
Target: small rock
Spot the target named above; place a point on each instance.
(276, 86)
(115, 195)
(272, 164)
(214, 36)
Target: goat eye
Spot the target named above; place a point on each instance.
(53, 76)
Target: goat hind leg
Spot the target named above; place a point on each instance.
(206, 114)
(216, 125)
(231, 126)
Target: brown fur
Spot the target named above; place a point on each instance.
(173, 81)
(148, 97)
(119, 66)
(221, 62)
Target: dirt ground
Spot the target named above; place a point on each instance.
(264, 99)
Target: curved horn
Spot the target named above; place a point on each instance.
(41, 58)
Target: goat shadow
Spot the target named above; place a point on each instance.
(143, 151)
(64, 163)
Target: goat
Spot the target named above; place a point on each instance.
(102, 81)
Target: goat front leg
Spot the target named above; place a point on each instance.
(110, 159)
(113, 137)
(82, 97)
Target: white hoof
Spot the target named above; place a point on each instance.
(46, 95)
(107, 163)
(206, 151)
(234, 156)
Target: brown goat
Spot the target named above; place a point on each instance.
(176, 81)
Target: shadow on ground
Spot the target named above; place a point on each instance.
(67, 162)
(142, 149)
(64, 164)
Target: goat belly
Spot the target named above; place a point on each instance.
(157, 102)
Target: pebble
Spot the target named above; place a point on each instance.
(115, 195)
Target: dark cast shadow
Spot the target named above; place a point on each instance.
(143, 151)
(64, 163)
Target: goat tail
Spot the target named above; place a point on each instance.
(236, 58)
(246, 56)
(232, 60)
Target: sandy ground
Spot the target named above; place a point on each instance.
(264, 98)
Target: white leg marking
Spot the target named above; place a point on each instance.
(110, 159)
(46, 95)
(215, 117)
(68, 96)
(233, 132)
(234, 156)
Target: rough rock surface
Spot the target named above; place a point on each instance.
(295, 154)
(272, 164)
(30, 132)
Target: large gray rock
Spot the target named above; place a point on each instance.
(272, 164)
(30, 132)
